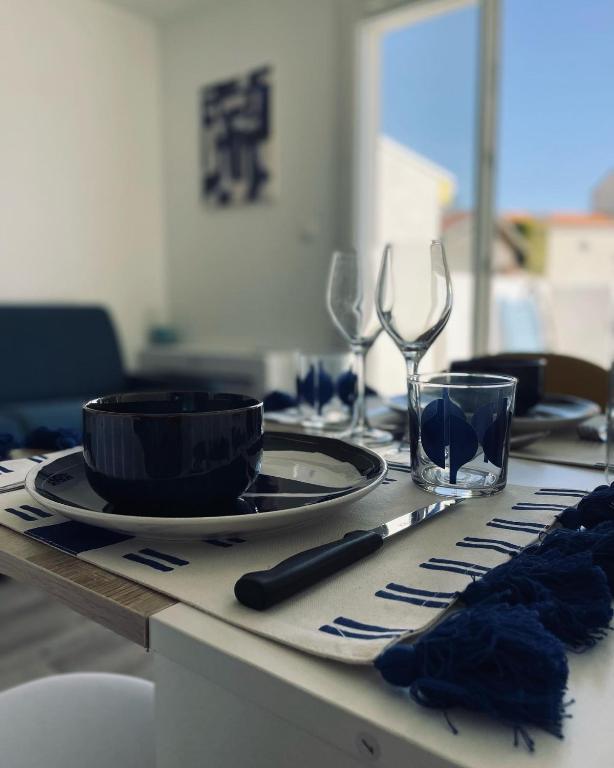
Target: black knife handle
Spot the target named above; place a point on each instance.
(262, 589)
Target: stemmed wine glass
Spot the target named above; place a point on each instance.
(414, 302)
(350, 300)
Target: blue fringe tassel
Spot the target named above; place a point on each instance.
(595, 508)
(495, 659)
(504, 654)
(569, 593)
(598, 541)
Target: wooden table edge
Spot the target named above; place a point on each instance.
(113, 601)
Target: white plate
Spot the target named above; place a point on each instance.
(302, 478)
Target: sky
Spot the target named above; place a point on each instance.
(556, 110)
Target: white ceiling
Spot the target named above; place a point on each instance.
(156, 9)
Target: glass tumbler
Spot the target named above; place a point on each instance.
(459, 430)
(325, 389)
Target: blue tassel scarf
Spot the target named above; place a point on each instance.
(595, 508)
(569, 593)
(598, 542)
(504, 654)
(494, 659)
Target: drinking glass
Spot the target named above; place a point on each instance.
(350, 301)
(414, 302)
(459, 426)
(325, 388)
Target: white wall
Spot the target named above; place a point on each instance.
(580, 254)
(580, 272)
(80, 178)
(410, 194)
(255, 275)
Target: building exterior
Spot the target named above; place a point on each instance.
(412, 194)
(579, 269)
(603, 195)
(552, 284)
(553, 275)
(509, 248)
(515, 321)
(579, 248)
(571, 256)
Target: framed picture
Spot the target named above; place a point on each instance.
(237, 140)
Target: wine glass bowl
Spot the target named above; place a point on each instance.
(414, 296)
(414, 302)
(350, 300)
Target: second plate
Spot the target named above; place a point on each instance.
(552, 413)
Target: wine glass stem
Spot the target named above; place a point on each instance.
(359, 411)
(412, 361)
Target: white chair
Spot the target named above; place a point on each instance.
(78, 721)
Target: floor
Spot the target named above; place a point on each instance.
(40, 637)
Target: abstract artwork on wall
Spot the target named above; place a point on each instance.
(236, 139)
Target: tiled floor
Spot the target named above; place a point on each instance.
(39, 637)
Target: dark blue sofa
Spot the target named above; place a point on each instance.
(52, 359)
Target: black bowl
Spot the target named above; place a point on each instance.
(529, 372)
(152, 450)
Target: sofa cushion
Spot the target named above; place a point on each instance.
(57, 352)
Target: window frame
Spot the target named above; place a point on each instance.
(378, 17)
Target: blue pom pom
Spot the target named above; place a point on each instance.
(569, 593)
(571, 518)
(45, 439)
(494, 659)
(597, 507)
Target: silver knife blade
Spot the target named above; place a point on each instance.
(402, 523)
(12, 487)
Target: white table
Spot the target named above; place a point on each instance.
(228, 698)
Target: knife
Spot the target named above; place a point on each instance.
(262, 589)
(12, 487)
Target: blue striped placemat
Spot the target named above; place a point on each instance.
(399, 591)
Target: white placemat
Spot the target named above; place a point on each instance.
(399, 591)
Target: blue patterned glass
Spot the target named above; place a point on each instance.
(325, 389)
(459, 428)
